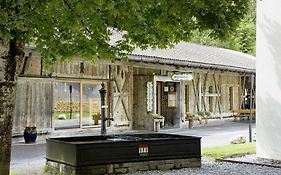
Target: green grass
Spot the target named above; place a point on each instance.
(229, 150)
(14, 173)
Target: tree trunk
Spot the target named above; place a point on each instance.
(9, 57)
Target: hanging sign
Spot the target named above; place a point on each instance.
(182, 77)
(149, 96)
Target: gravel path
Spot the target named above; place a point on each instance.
(209, 167)
(218, 168)
(252, 158)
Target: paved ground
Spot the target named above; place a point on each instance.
(217, 132)
(29, 158)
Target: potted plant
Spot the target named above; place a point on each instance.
(96, 118)
(201, 114)
(190, 118)
(207, 116)
(30, 134)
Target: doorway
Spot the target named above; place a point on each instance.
(167, 95)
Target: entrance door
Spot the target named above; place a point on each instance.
(167, 102)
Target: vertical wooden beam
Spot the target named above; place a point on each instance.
(199, 85)
(130, 94)
(243, 92)
(159, 95)
(239, 91)
(110, 92)
(203, 88)
(51, 108)
(217, 92)
(187, 98)
(195, 94)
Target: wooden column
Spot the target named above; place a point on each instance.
(199, 91)
(130, 95)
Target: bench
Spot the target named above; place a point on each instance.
(158, 122)
(241, 113)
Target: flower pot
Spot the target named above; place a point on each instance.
(30, 134)
(190, 123)
(96, 118)
(206, 120)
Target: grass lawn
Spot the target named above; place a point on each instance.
(14, 173)
(229, 150)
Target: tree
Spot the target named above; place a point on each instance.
(242, 39)
(63, 29)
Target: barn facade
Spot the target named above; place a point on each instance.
(188, 78)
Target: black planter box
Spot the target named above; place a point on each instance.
(102, 150)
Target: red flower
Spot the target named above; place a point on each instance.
(30, 126)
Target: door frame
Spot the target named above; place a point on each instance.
(160, 78)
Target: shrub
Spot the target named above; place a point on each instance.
(201, 113)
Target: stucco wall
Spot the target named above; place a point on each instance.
(268, 79)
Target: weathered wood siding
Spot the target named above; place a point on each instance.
(122, 95)
(141, 119)
(34, 104)
(73, 69)
(208, 91)
(76, 68)
(212, 92)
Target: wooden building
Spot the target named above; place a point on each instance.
(169, 82)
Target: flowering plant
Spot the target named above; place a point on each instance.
(30, 128)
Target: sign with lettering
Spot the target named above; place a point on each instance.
(143, 150)
(182, 77)
(149, 96)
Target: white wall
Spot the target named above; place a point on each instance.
(269, 79)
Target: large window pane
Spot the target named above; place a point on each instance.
(66, 105)
(91, 104)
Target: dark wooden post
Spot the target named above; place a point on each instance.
(70, 101)
(251, 106)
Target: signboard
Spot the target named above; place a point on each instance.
(143, 150)
(182, 77)
(172, 100)
(149, 96)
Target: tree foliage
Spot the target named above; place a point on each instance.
(62, 29)
(242, 39)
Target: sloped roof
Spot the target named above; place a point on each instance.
(195, 55)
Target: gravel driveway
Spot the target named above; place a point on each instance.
(218, 168)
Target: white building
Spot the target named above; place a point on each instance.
(269, 79)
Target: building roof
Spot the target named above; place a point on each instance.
(197, 56)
